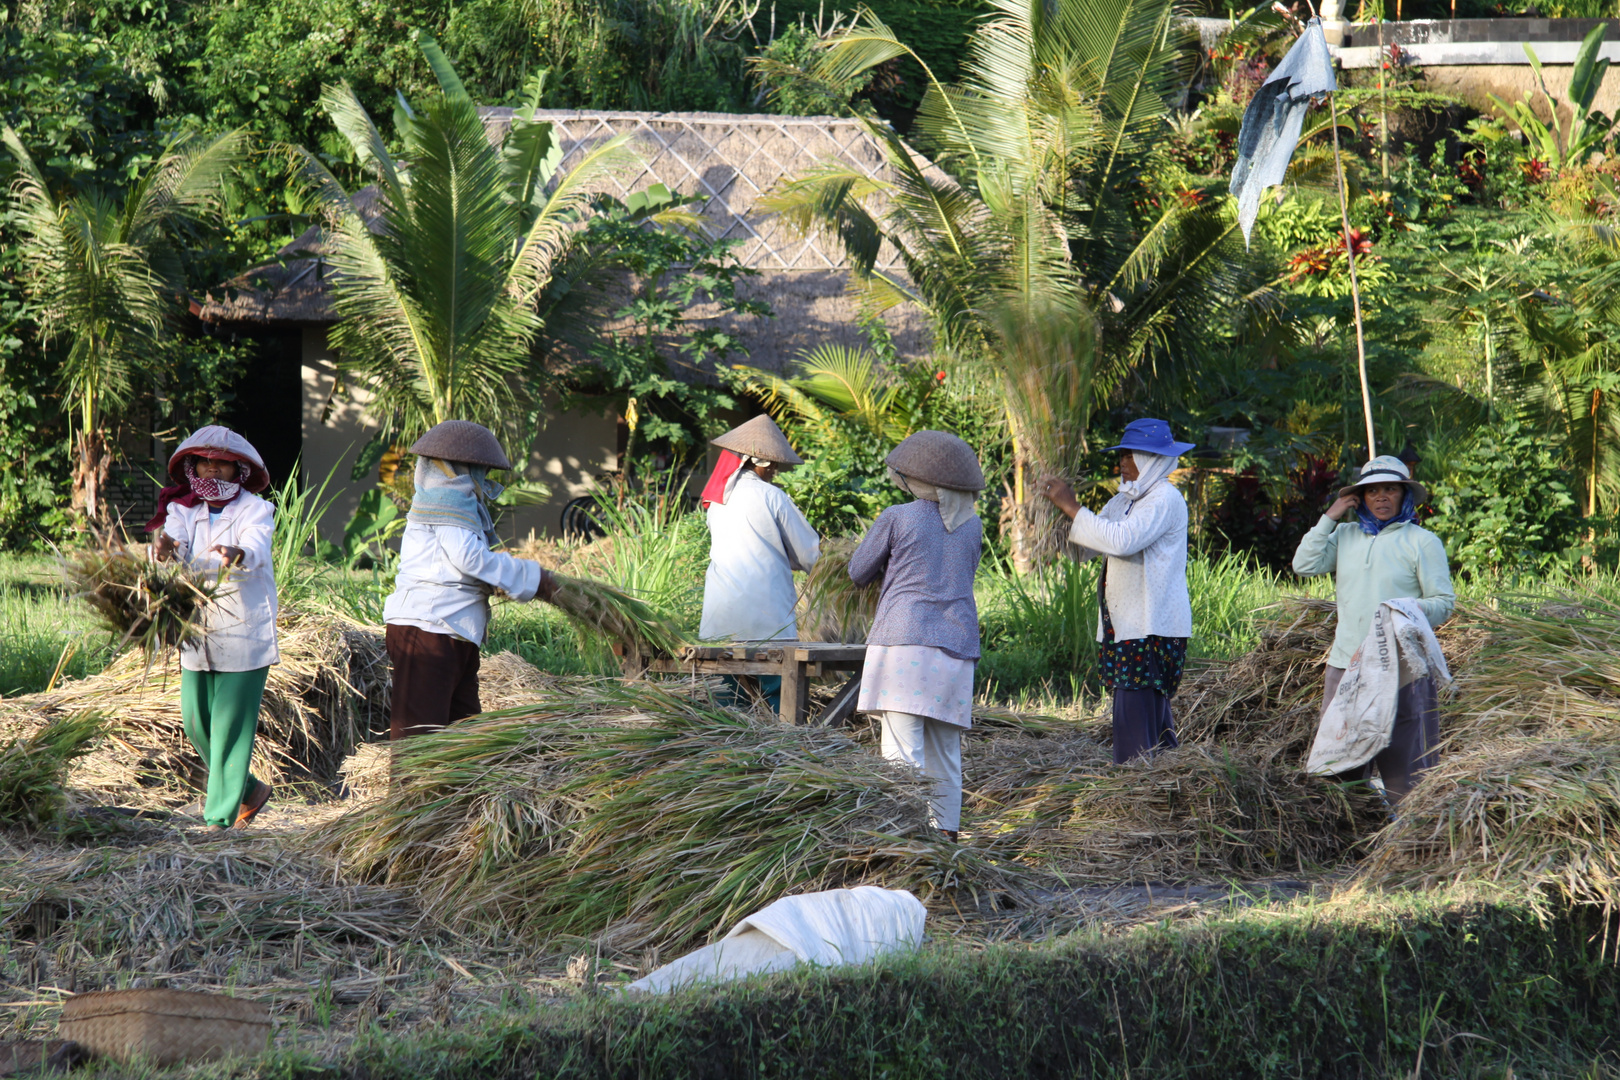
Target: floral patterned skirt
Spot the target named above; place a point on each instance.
(1150, 663)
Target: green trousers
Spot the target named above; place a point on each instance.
(220, 710)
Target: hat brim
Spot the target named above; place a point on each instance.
(1175, 449)
(1418, 490)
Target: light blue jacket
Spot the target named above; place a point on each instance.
(1402, 560)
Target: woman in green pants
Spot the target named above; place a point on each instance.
(212, 518)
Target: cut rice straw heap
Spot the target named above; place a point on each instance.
(1520, 812)
(600, 610)
(1188, 814)
(831, 606)
(151, 604)
(639, 817)
(329, 692)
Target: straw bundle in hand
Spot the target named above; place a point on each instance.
(154, 605)
(831, 606)
(600, 610)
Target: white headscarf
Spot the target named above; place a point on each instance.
(955, 507)
(1151, 469)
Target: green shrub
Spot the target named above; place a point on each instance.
(1506, 510)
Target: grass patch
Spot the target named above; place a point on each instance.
(1368, 987)
(43, 626)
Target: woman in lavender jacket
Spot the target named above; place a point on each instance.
(924, 641)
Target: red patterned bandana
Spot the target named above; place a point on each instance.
(213, 491)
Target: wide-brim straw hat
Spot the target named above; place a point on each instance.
(220, 444)
(462, 441)
(1386, 469)
(759, 438)
(939, 458)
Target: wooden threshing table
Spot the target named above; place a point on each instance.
(796, 661)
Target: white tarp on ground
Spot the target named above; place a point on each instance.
(840, 926)
(1400, 648)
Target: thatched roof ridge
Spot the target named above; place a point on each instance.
(731, 160)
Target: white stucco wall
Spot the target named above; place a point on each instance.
(571, 450)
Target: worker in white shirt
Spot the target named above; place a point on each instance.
(439, 610)
(757, 538)
(211, 519)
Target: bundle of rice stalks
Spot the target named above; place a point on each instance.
(599, 610)
(34, 768)
(328, 693)
(154, 605)
(637, 816)
(1192, 813)
(1518, 811)
(832, 607)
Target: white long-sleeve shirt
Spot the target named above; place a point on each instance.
(1147, 564)
(446, 575)
(240, 621)
(757, 538)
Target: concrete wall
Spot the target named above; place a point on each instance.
(571, 450)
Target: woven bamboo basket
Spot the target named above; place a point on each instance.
(165, 1027)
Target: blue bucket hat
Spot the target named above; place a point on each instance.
(1151, 437)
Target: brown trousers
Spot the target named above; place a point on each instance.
(1412, 744)
(435, 680)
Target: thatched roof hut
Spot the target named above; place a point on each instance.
(730, 160)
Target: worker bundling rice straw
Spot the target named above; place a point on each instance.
(758, 538)
(924, 642)
(439, 610)
(1144, 612)
(212, 518)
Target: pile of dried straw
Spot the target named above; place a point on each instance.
(640, 815)
(1517, 811)
(328, 693)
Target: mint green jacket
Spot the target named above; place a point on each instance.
(1402, 560)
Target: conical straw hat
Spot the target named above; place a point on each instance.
(939, 458)
(760, 438)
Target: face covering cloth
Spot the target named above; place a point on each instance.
(451, 493)
(955, 507)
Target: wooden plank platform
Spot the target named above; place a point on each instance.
(797, 662)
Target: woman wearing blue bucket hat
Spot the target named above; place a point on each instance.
(1145, 614)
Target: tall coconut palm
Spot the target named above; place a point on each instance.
(106, 274)
(437, 298)
(1043, 199)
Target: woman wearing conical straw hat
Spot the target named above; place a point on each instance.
(757, 538)
(1381, 553)
(212, 518)
(924, 641)
(1144, 612)
(439, 610)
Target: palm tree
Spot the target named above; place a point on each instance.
(1041, 209)
(106, 276)
(1048, 143)
(439, 298)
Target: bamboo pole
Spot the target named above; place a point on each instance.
(1355, 288)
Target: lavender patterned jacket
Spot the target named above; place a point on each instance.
(927, 596)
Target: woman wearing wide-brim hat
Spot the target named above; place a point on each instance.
(438, 613)
(924, 642)
(1144, 613)
(1381, 553)
(757, 538)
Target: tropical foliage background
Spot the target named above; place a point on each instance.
(1057, 194)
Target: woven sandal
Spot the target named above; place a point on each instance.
(253, 802)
